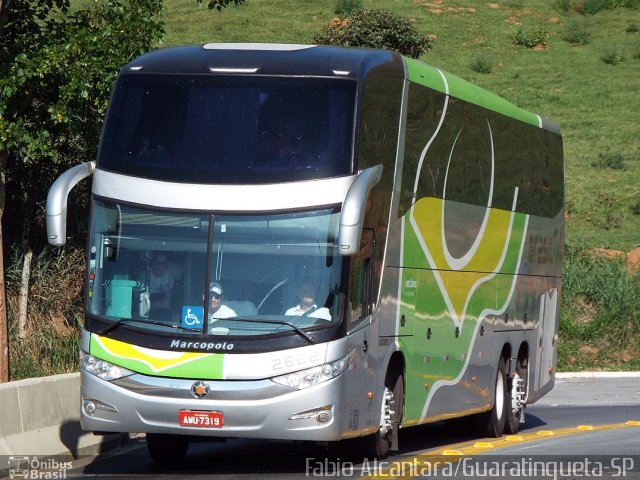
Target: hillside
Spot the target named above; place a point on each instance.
(595, 103)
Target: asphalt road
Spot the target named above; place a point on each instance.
(585, 428)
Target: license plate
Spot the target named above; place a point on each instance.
(201, 418)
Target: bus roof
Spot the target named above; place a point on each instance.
(265, 59)
(321, 61)
(432, 77)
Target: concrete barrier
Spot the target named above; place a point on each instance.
(40, 416)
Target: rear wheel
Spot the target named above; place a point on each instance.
(165, 448)
(492, 423)
(517, 391)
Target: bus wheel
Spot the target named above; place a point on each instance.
(492, 423)
(164, 448)
(517, 391)
(386, 438)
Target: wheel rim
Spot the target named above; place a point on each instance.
(385, 414)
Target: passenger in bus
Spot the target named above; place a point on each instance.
(307, 306)
(162, 278)
(216, 309)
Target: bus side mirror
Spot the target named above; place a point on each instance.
(353, 209)
(57, 201)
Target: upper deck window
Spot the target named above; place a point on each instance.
(229, 129)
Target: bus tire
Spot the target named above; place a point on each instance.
(514, 406)
(492, 422)
(378, 444)
(165, 448)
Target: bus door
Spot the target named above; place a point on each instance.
(360, 412)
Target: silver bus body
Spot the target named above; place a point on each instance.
(429, 211)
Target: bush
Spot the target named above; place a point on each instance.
(614, 161)
(591, 7)
(576, 32)
(623, 4)
(613, 55)
(635, 208)
(375, 29)
(563, 6)
(347, 7)
(530, 38)
(481, 63)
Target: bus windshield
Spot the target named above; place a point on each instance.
(203, 274)
(221, 129)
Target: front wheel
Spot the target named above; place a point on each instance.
(378, 444)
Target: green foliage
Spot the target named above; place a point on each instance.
(564, 6)
(375, 29)
(54, 313)
(347, 7)
(555, 87)
(632, 28)
(57, 78)
(481, 63)
(56, 75)
(530, 38)
(600, 305)
(219, 4)
(612, 160)
(591, 7)
(576, 32)
(613, 55)
(610, 4)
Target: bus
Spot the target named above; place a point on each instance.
(385, 239)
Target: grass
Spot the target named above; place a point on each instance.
(54, 313)
(595, 104)
(600, 315)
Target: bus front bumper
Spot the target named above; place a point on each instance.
(246, 409)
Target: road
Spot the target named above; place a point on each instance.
(590, 424)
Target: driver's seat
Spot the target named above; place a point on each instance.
(243, 308)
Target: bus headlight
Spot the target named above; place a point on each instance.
(313, 376)
(101, 369)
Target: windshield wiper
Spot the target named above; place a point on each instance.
(124, 321)
(302, 333)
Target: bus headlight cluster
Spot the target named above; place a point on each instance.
(313, 376)
(101, 369)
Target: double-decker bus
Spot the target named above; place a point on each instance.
(385, 240)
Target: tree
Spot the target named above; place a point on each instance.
(56, 73)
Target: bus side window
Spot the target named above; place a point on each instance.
(361, 278)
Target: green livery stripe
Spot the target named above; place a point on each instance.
(437, 298)
(160, 363)
(429, 76)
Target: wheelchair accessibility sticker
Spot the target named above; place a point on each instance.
(192, 316)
